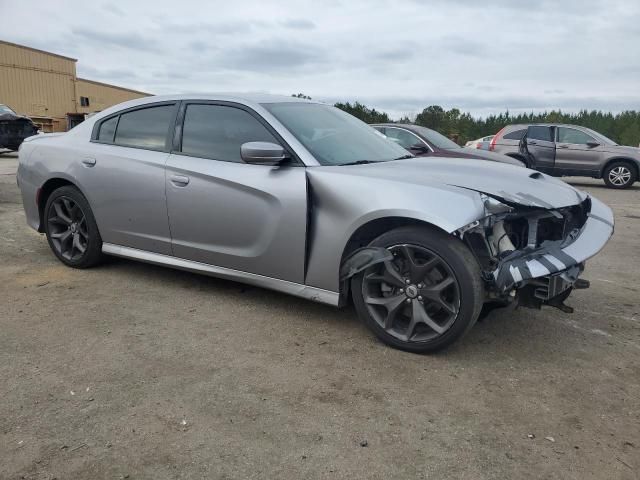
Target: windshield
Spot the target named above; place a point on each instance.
(332, 136)
(5, 109)
(436, 138)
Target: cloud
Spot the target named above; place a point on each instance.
(275, 55)
(399, 56)
(298, 23)
(114, 39)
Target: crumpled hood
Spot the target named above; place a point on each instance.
(510, 183)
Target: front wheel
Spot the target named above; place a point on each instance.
(424, 299)
(619, 175)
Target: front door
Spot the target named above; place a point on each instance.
(227, 213)
(577, 152)
(541, 147)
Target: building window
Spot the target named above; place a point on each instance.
(84, 101)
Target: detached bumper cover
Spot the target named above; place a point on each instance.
(555, 257)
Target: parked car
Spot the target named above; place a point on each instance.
(424, 142)
(301, 197)
(479, 142)
(570, 150)
(14, 128)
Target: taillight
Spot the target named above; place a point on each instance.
(492, 145)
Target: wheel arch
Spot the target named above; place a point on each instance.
(517, 156)
(371, 229)
(45, 191)
(630, 161)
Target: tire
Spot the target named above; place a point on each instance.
(71, 228)
(620, 175)
(393, 297)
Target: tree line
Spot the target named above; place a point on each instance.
(622, 128)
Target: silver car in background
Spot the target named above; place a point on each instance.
(300, 197)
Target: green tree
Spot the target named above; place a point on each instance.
(364, 113)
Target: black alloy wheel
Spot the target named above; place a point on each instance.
(415, 297)
(67, 227)
(426, 297)
(71, 229)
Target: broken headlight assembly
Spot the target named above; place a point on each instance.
(520, 248)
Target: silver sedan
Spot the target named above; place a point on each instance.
(300, 197)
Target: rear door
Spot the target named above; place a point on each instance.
(227, 213)
(577, 152)
(541, 146)
(122, 173)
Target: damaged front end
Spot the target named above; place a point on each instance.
(14, 129)
(533, 255)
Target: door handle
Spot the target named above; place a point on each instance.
(88, 162)
(531, 142)
(563, 146)
(180, 180)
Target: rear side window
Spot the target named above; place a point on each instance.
(217, 132)
(145, 128)
(107, 130)
(515, 135)
(540, 133)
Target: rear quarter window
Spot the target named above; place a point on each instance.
(107, 130)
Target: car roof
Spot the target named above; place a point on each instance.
(543, 124)
(227, 96)
(252, 100)
(407, 126)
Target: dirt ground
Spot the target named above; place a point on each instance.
(135, 371)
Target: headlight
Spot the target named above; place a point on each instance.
(493, 206)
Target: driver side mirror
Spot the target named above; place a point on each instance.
(593, 144)
(263, 153)
(418, 147)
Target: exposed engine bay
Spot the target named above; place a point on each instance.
(520, 251)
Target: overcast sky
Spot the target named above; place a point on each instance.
(398, 56)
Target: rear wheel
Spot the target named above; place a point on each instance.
(427, 297)
(619, 175)
(71, 229)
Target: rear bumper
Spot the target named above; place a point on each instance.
(553, 259)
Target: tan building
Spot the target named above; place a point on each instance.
(44, 87)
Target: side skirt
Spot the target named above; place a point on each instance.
(292, 288)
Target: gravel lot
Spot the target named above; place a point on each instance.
(135, 371)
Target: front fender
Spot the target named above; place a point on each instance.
(338, 208)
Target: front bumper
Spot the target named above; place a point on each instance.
(555, 258)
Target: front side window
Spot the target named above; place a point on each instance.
(107, 130)
(437, 139)
(332, 136)
(217, 132)
(402, 137)
(145, 128)
(540, 133)
(571, 135)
